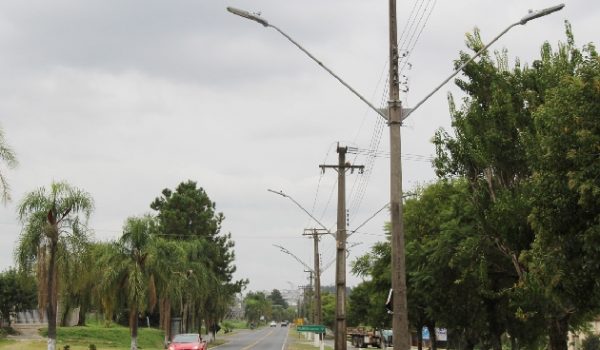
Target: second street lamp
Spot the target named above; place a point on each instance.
(401, 334)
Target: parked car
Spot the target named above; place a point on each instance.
(187, 341)
(273, 324)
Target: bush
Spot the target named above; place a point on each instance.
(4, 331)
(591, 342)
(227, 326)
(92, 347)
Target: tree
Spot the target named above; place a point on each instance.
(187, 214)
(51, 218)
(277, 299)
(328, 309)
(565, 258)
(256, 305)
(367, 300)
(18, 292)
(525, 139)
(7, 156)
(131, 273)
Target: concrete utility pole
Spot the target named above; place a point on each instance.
(311, 309)
(315, 233)
(400, 332)
(340, 268)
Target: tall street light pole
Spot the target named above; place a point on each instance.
(401, 335)
(400, 331)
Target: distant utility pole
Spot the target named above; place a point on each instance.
(311, 309)
(315, 233)
(340, 268)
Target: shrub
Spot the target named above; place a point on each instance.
(227, 326)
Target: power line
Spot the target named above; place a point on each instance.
(406, 44)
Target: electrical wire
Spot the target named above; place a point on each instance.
(410, 35)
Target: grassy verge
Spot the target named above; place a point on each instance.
(80, 338)
(297, 341)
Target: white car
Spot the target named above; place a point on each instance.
(273, 324)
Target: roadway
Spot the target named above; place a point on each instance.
(269, 338)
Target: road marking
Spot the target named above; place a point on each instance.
(285, 340)
(258, 341)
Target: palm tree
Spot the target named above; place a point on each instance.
(133, 262)
(7, 156)
(51, 218)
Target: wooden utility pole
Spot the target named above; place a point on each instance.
(400, 332)
(340, 267)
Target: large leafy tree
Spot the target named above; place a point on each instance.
(489, 149)
(8, 157)
(256, 305)
(188, 215)
(51, 218)
(565, 259)
(526, 141)
(277, 299)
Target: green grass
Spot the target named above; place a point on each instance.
(235, 324)
(298, 342)
(113, 337)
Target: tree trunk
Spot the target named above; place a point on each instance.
(82, 312)
(432, 336)
(494, 328)
(161, 316)
(65, 310)
(133, 325)
(51, 302)
(558, 329)
(419, 338)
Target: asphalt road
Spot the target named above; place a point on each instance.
(269, 338)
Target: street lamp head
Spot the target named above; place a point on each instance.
(278, 192)
(248, 15)
(540, 13)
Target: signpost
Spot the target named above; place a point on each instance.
(313, 328)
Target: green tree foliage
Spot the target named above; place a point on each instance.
(133, 262)
(565, 259)
(18, 292)
(367, 300)
(526, 140)
(277, 299)
(328, 309)
(506, 242)
(53, 219)
(8, 157)
(188, 216)
(256, 304)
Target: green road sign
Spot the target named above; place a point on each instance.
(314, 328)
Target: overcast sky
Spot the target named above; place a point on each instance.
(126, 98)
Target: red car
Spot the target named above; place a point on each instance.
(189, 341)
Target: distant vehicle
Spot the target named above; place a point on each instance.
(284, 323)
(187, 341)
(273, 324)
(361, 337)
